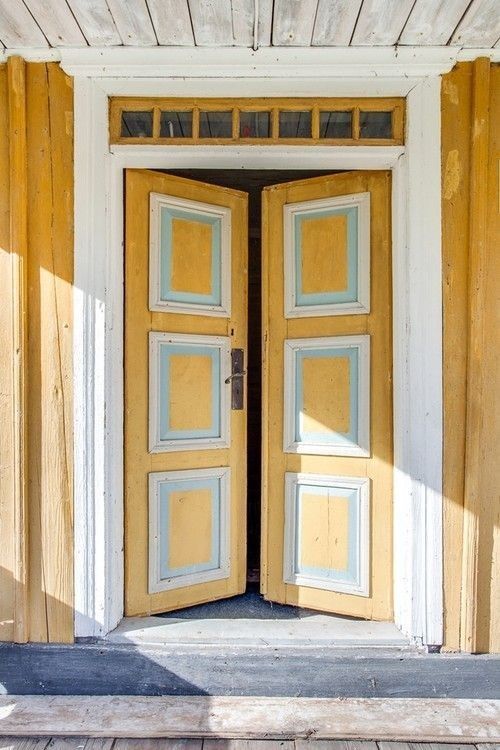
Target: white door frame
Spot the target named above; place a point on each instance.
(417, 309)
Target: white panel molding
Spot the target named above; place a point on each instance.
(156, 582)
(156, 202)
(357, 307)
(361, 485)
(223, 345)
(290, 444)
(98, 339)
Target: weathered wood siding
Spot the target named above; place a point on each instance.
(36, 276)
(471, 289)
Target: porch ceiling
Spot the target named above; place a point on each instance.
(249, 23)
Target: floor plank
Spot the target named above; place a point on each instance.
(160, 743)
(24, 743)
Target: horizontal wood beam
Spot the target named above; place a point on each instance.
(430, 720)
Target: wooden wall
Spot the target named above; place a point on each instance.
(36, 276)
(36, 271)
(471, 289)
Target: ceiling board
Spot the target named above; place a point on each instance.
(380, 22)
(58, 23)
(433, 23)
(17, 26)
(172, 22)
(212, 22)
(133, 22)
(243, 22)
(265, 24)
(293, 22)
(96, 22)
(335, 21)
(480, 26)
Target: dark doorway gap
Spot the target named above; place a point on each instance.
(251, 181)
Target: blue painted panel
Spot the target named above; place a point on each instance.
(352, 572)
(166, 350)
(164, 491)
(334, 438)
(167, 294)
(328, 298)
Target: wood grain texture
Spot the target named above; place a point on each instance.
(17, 26)
(480, 26)
(477, 375)
(276, 329)
(96, 22)
(50, 228)
(433, 23)
(471, 410)
(212, 23)
(293, 22)
(455, 156)
(380, 22)
(61, 28)
(138, 321)
(7, 445)
(133, 22)
(335, 21)
(172, 22)
(431, 719)
(16, 75)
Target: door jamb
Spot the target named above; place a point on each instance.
(417, 340)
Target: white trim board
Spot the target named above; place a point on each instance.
(403, 63)
(98, 339)
(414, 719)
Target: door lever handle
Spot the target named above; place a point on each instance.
(235, 375)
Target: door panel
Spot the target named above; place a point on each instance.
(185, 448)
(327, 394)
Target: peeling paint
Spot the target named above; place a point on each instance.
(452, 175)
(450, 90)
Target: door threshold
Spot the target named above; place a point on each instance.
(310, 631)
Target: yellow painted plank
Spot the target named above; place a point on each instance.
(16, 74)
(50, 226)
(455, 133)
(7, 462)
(477, 376)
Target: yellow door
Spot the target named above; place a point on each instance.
(185, 415)
(327, 424)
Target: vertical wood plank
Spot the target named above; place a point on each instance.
(96, 22)
(433, 23)
(480, 26)
(16, 72)
(455, 156)
(50, 197)
(7, 470)
(18, 27)
(294, 22)
(476, 343)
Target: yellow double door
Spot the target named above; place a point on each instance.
(326, 539)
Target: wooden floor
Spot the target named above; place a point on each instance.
(84, 743)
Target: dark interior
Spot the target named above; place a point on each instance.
(251, 181)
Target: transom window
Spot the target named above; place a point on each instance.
(293, 121)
